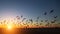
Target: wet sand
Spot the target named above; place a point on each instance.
(29, 30)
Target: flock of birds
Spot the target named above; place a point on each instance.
(31, 21)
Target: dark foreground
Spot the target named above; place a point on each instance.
(30, 31)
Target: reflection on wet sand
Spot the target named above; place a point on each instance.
(28, 30)
(12, 31)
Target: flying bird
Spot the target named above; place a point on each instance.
(45, 13)
(51, 11)
(21, 16)
(1, 22)
(46, 20)
(53, 21)
(55, 16)
(41, 20)
(18, 17)
(31, 20)
(4, 21)
(27, 25)
(40, 23)
(37, 17)
(47, 24)
(23, 19)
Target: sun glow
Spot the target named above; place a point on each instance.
(9, 27)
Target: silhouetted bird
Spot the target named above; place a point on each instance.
(45, 13)
(37, 17)
(37, 25)
(21, 16)
(40, 23)
(1, 22)
(23, 23)
(18, 17)
(31, 20)
(41, 20)
(23, 19)
(28, 22)
(55, 16)
(53, 21)
(4, 21)
(51, 11)
(47, 24)
(27, 25)
(46, 20)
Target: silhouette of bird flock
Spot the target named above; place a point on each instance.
(31, 21)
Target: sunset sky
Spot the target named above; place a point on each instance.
(30, 9)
